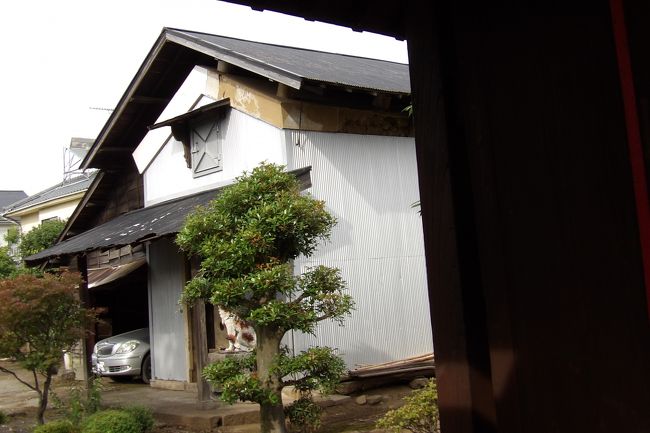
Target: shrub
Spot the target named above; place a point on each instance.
(304, 415)
(61, 426)
(143, 417)
(40, 237)
(3, 418)
(111, 421)
(81, 402)
(419, 414)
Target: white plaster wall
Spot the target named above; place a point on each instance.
(246, 142)
(29, 221)
(61, 211)
(4, 228)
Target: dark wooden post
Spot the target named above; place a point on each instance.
(466, 398)
(89, 339)
(200, 349)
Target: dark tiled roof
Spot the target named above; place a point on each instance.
(9, 197)
(136, 226)
(302, 64)
(162, 219)
(72, 186)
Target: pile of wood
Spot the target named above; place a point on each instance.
(421, 365)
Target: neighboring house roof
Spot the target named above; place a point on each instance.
(56, 192)
(141, 225)
(177, 52)
(8, 197)
(292, 65)
(6, 221)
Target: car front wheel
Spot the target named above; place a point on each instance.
(146, 370)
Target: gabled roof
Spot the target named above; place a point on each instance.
(292, 66)
(177, 52)
(58, 191)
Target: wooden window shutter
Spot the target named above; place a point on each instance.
(206, 148)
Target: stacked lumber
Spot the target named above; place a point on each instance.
(421, 364)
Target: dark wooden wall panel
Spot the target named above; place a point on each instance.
(541, 114)
(124, 193)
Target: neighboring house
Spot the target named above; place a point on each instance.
(58, 201)
(8, 197)
(336, 121)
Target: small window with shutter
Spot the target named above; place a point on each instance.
(206, 147)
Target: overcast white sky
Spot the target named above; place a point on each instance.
(59, 58)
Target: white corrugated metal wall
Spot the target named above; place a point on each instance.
(369, 183)
(166, 323)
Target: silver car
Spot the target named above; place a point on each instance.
(124, 356)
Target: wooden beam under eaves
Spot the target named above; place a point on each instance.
(114, 150)
(149, 100)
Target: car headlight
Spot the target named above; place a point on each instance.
(127, 346)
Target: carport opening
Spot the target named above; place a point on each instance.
(122, 303)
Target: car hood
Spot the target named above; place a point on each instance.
(141, 334)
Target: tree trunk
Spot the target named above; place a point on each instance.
(43, 397)
(271, 415)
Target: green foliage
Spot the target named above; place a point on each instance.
(317, 368)
(416, 205)
(304, 415)
(111, 421)
(419, 414)
(142, 416)
(7, 265)
(44, 312)
(12, 237)
(246, 239)
(60, 426)
(3, 418)
(41, 237)
(237, 379)
(39, 319)
(82, 402)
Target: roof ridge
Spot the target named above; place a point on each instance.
(283, 46)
